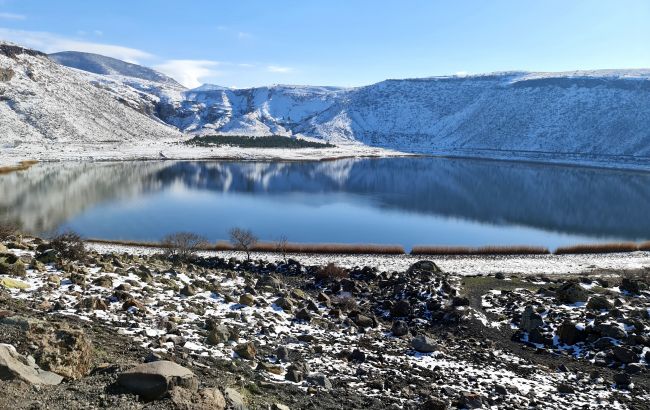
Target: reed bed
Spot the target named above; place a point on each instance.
(312, 248)
(644, 246)
(22, 165)
(588, 248)
(483, 250)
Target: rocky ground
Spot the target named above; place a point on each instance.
(124, 330)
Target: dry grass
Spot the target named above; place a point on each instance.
(644, 246)
(484, 250)
(333, 248)
(598, 248)
(22, 165)
(322, 248)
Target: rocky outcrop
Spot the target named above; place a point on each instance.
(14, 366)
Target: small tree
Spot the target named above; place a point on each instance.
(182, 245)
(281, 246)
(243, 240)
(69, 245)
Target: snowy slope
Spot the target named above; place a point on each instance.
(45, 104)
(99, 64)
(576, 114)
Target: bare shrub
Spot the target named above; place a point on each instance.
(183, 245)
(69, 245)
(598, 248)
(281, 246)
(331, 271)
(243, 240)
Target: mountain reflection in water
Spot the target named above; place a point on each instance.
(394, 200)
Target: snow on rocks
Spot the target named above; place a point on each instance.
(300, 327)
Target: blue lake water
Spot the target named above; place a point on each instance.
(406, 201)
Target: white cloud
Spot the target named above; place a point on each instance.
(51, 43)
(243, 35)
(12, 16)
(190, 73)
(462, 74)
(279, 69)
(98, 33)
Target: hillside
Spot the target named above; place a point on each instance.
(598, 117)
(46, 107)
(99, 64)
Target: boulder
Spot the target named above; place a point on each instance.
(610, 330)
(530, 320)
(622, 379)
(400, 328)
(204, 399)
(571, 292)
(247, 299)
(14, 366)
(599, 302)
(219, 334)
(153, 380)
(246, 350)
(189, 290)
(11, 265)
(630, 286)
(625, 355)
(401, 309)
(62, 349)
(363, 321)
(285, 303)
(235, 398)
(47, 256)
(569, 334)
(9, 283)
(319, 379)
(426, 266)
(424, 344)
(104, 282)
(269, 283)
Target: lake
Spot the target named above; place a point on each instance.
(405, 201)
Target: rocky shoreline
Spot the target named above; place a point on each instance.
(125, 330)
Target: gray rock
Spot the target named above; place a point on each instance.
(572, 292)
(625, 355)
(235, 398)
(568, 333)
(14, 366)
(427, 266)
(219, 334)
(530, 320)
(204, 399)
(400, 328)
(319, 379)
(424, 344)
(622, 379)
(599, 302)
(153, 380)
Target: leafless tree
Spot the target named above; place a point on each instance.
(243, 240)
(281, 246)
(182, 245)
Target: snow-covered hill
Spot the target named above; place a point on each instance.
(582, 116)
(547, 116)
(45, 106)
(100, 64)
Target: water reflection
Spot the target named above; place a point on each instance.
(433, 200)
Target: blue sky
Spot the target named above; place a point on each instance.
(348, 43)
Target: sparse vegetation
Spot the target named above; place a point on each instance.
(7, 230)
(69, 245)
(183, 245)
(598, 248)
(273, 141)
(484, 250)
(243, 240)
